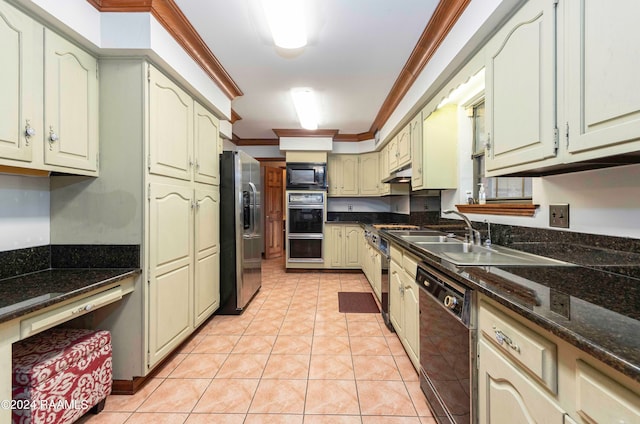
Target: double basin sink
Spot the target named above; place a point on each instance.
(460, 253)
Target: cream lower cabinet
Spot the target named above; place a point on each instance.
(372, 268)
(507, 396)
(528, 375)
(342, 245)
(206, 253)
(49, 101)
(404, 305)
(170, 279)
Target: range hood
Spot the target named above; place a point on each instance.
(400, 176)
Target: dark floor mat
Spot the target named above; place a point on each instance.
(357, 302)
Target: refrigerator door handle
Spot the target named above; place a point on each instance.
(252, 206)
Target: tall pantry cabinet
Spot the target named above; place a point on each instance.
(158, 188)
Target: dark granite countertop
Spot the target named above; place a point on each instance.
(28, 293)
(593, 305)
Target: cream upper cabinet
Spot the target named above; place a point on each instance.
(71, 105)
(383, 157)
(170, 127)
(602, 56)
(440, 148)
(207, 253)
(20, 85)
(49, 102)
(404, 147)
(415, 134)
(519, 92)
(344, 173)
(170, 268)
(206, 146)
(369, 174)
(392, 154)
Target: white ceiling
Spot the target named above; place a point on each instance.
(356, 51)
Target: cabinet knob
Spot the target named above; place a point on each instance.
(53, 137)
(29, 131)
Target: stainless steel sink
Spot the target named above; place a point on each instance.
(429, 239)
(467, 254)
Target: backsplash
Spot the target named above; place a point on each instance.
(369, 217)
(32, 259)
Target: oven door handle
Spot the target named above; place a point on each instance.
(311, 206)
(306, 236)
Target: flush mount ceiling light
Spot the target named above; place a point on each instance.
(286, 19)
(304, 101)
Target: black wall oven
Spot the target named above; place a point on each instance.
(305, 226)
(447, 340)
(306, 176)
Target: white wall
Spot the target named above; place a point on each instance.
(602, 201)
(24, 212)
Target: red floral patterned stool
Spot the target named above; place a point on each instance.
(60, 374)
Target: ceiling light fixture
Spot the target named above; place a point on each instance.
(286, 20)
(305, 103)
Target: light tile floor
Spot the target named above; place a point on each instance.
(291, 357)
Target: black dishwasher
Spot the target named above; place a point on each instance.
(447, 352)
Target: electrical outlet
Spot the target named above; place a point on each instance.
(350, 208)
(559, 215)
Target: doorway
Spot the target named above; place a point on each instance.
(273, 210)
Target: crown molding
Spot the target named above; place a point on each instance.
(354, 137)
(173, 20)
(234, 116)
(444, 17)
(255, 141)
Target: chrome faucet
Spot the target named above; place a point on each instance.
(474, 235)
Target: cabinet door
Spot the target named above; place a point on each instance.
(334, 172)
(170, 291)
(352, 241)
(20, 84)
(506, 395)
(369, 174)
(349, 184)
(70, 105)
(206, 133)
(396, 288)
(384, 170)
(392, 154)
(170, 128)
(415, 134)
(439, 149)
(207, 254)
(521, 59)
(334, 250)
(404, 147)
(411, 312)
(603, 103)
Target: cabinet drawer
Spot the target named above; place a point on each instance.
(396, 254)
(410, 264)
(53, 317)
(534, 352)
(602, 400)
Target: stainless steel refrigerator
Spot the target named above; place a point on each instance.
(240, 231)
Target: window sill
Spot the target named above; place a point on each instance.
(513, 209)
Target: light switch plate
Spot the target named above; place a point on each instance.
(559, 215)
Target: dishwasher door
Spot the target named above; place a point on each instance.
(446, 346)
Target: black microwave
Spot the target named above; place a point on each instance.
(306, 176)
